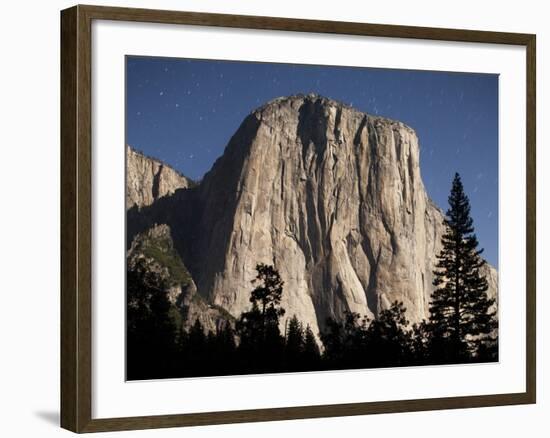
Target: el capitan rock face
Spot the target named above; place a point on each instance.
(334, 199)
(330, 196)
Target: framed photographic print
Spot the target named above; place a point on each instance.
(341, 214)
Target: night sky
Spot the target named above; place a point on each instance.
(184, 112)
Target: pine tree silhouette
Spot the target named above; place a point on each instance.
(262, 347)
(294, 345)
(151, 333)
(460, 311)
(311, 355)
(267, 295)
(388, 339)
(345, 341)
(197, 349)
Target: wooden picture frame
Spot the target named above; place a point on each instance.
(76, 217)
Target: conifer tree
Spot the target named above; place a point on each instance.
(267, 294)
(311, 354)
(262, 344)
(197, 348)
(344, 341)
(225, 349)
(294, 345)
(197, 337)
(460, 310)
(388, 338)
(151, 333)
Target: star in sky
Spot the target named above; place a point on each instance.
(182, 107)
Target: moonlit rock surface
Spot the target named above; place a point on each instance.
(334, 199)
(148, 179)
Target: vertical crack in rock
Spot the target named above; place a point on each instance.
(156, 182)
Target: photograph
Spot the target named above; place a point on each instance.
(285, 218)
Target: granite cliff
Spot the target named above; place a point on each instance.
(331, 196)
(148, 179)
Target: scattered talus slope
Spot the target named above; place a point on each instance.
(331, 196)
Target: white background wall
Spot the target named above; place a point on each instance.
(29, 215)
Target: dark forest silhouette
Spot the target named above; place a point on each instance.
(462, 326)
